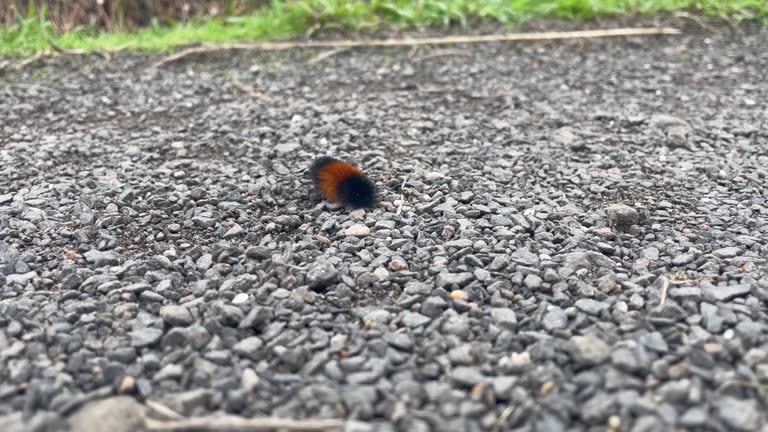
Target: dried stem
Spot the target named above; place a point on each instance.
(239, 424)
(508, 37)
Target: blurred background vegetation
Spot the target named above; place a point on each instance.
(120, 15)
(33, 25)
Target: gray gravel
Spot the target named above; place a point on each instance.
(159, 239)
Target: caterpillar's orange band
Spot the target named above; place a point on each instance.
(331, 175)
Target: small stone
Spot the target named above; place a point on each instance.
(650, 253)
(654, 341)
(682, 259)
(614, 423)
(249, 380)
(607, 283)
(381, 316)
(20, 279)
(433, 306)
(551, 276)
(695, 417)
(258, 253)
(230, 315)
(499, 220)
(462, 355)
(516, 362)
(102, 259)
(727, 293)
(677, 136)
(675, 391)
(287, 147)
(397, 265)
(686, 293)
(233, 232)
(727, 252)
(358, 230)
(249, 347)
(176, 316)
(198, 336)
(204, 262)
(504, 318)
(467, 376)
(258, 318)
(399, 340)
(197, 194)
(414, 319)
(33, 214)
(589, 306)
(524, 256)
(418, 288)
(663, 121)
(240, 299)
(174, 228)
(458, 295)
(338, 342)
(633, 360)
(127, 385)
(554, 319)
(589, 350)
(447, 280)
(169, 372)
(503, 386)
(711, 321)
(532, 281)
(204, 222)
(740, 414)
(457, 325)
(750, 331)
(597, 409)
(621, 217)
(145, 337)
(321, 275)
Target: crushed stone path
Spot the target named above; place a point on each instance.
(580, 243)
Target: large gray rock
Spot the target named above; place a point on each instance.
(116, 414)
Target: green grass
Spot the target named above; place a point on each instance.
(294, 18)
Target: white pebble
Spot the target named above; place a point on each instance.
(239, 299)
(358, 230)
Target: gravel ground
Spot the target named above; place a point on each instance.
(580, 243)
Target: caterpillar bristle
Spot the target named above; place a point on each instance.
(341, 182)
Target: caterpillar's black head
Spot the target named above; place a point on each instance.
(357, 191)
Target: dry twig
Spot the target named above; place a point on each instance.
(324, 55)
(698, 21)
(493, 95)
(508, 37)
(750, 384)
(504, 416)
(31, 86)
(238, 424)
(250, 91)
(692, 281)
(664, 289)
(27, 61)
(442, 53)
(162, 410)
